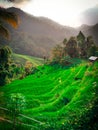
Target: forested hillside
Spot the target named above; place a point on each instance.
(36, 36)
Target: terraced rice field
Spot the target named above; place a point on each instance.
(59, 98)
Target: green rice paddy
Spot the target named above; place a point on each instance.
(61, 98)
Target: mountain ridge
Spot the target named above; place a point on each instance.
(36, 36)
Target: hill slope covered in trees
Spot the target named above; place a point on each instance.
(36, 36)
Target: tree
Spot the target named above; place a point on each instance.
(15, 105)
(66, 60)
(28, 67)
(5, 53)
(81, 44)
(92, 51)
(64, 47)
(90, 42)
(57, 53)
(71, 47)
(10, 18)
(80, 37)
(64, 41)
(91, 47)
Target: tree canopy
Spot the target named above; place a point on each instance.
(76, 47)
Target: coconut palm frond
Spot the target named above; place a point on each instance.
(9, 17)
(4, 32)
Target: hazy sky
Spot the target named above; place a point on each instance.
(66, 12)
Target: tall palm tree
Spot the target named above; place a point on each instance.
(9, 17)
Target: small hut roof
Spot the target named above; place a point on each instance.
(93, 58)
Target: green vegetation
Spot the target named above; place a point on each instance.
(5, 63)
(21, 59)
(15, 66)
(61, 95)
(76, 47)
(59, 98)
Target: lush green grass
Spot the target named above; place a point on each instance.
(61, 98)
(23, 58)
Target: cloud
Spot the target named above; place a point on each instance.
(21, 3)
(16, 3)
(90, 16)
(5, 3)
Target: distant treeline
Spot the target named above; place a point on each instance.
(76, 47)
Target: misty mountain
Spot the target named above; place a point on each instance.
(37, 36)
(90, 30)
(90, 16)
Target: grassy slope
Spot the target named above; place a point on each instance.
(47, 90)
(23, 58)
